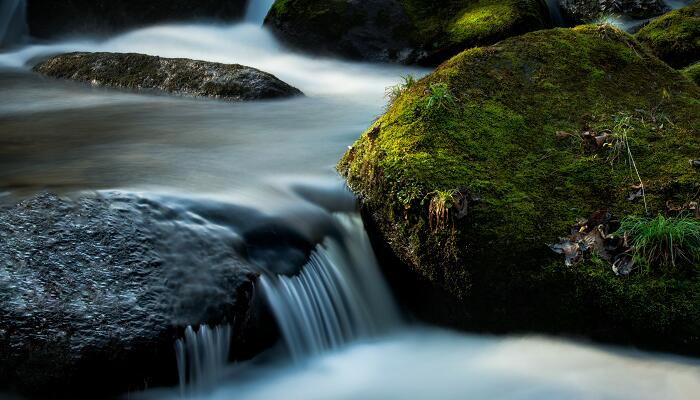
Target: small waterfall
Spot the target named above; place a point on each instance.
(201, 356)
(340, 295)
(13, 22)
(257, 10)
(555, 13)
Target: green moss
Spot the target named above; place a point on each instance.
(693, 72)
(513, 142)
(461, 24)
(675, 36)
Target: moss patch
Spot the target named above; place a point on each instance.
(510, 154)
(693, 72)
(675, 37)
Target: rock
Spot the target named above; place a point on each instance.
(591, 10)
(406, 31)
(48, 19)
(172, 75)
(95, 291)
(507, 124)
(693, 72)
(675, 37)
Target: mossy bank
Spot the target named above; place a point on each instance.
(474, 170)
(408, 31)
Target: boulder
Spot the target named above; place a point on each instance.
(48, 19)
(172, 75)
(475, 170)
(591, 10)
(675, 37)
(406, 31)
(94, 292)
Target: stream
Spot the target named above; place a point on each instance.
(344, 337)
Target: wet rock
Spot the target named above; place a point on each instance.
(49, 19)
(591, 10)
(95, 291)
(405, 31)
(172, 75)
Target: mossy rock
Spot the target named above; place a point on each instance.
(179, 76)
(408, 31)
(476, 168)
(675, 37)
(693, 72)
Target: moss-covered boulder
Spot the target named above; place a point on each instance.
(693, 72)
(408, 31)
(172, 75)
(47, 19)
(675, 37)
(474, 170)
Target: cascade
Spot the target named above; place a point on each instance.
(201, 356)
(339, 296)
(13, 22)
(257, 10)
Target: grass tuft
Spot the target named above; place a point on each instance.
(665, 242)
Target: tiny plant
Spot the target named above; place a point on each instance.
(439, 97)
(438, 210)
(619, 147)
(407, 82)
(666, 242)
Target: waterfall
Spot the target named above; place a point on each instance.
(339, 296)
(201, 356)
(555, 13)
(257, 10)
(13, 22)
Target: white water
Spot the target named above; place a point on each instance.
(339, 296)
(257, 10)
(202, 356)
(13, 25)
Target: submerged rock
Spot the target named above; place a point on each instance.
(675, 37)
(591, 10)
(49, 19)
(94, 293)
(543, 129)
(407, 31)
(173, 75)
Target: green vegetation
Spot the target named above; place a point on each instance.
(665, 242)
(546, 128)
(407, 82)
(675, 36)
(692, 72)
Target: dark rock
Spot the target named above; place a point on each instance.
(591, 10)
(95, 291)
(50, 18)
(173, 75)
(405, 31)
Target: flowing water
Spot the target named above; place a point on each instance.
(249, 163)
(13, 26)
